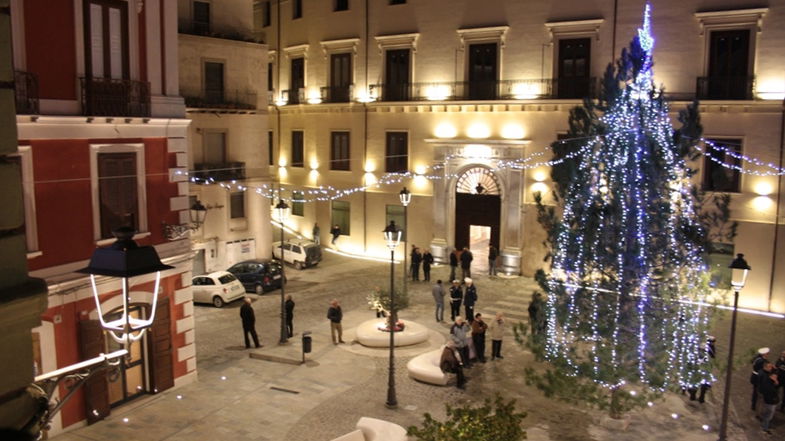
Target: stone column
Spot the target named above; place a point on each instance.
(439, 247)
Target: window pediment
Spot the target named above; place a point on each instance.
(300, 50)
(398, 41)
(735, 18)
(344, 45)
(558, 29)
(488, 34)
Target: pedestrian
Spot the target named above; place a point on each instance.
(757, 365)
(289, 307)
(478, 336)
(450, 362)
(768, 386)
(248, 318)
(427, 261)
(497, 334)
(707, 353)
(335, 231)
(335, 315)
(453, 263)
(466, 263)
(316, 233)
(492, 255)
(438, 298)
(416, 259)
(537, 314)
(780, 368)
(459, 334)
(456, 297)
(469, 298)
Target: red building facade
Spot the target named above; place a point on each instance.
(102, 144)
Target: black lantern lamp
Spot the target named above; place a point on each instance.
(198, 214)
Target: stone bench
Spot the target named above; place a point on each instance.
(368, 334)
(425, 367)
(373, 429)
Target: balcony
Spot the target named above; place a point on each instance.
(111, 97)
(26, 88)
(725, 88)
(229, 171)
(233, 100)
(487, 90)
(290, 96)
(207, 29)
(337, 94)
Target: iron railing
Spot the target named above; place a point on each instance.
(725, 87)
(228, 171)
(337, 94)
(235, 99)
(26, 89)
(487, 90)
(113, 97)
(207, 29)
(293, 96)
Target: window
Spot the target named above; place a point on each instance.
(574, 68)
(396, 155)
(340, 78)
(213, 82)
(201, 24)
(270, 147)
(237, 203)
(341, 214)
(298, 203)
(296, 80)
(24, 160)
(397, 2)
(297, 9)
(396, 213)
(297, 148)
(106, 39)
(266, 14)
(729, 59)
(715, 176)
(396, 75)
(118, 183)
(341, 5)
(339, 151)
(483, 75)
(270, 77)
(214, 148)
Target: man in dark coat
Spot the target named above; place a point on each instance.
(289, 307)
(780, 368)
(466, 263)
(335, 231)
(478, 336)
(427, 261)
(453, 263)
(469, 299)
(335, 315)
(451, 362)
(249, 323)
(416, 258)
(456, 297)
(757, 365)
(768, 386)
(492, 255)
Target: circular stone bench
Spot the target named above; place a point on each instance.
(368, 334)
(425, 368)
(372, 429)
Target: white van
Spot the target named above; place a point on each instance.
(301, 253)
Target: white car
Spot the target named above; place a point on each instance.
(218, 288)
(301, 253)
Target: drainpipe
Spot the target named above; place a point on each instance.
(613, 38)
(779, 199)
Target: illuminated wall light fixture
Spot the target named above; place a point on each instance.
(437, 92)
(314, 97)
(445, 130)
(314, 165)
(763, 189)
(366, 96)
(370, 166)
(512, 131)
(526, 91)
(771, 90)
(478, 131)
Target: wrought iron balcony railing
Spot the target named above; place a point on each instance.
(236, 99)
(228, 171)
(337, 94)
(293, 96)
(112, 97)
(207, 29)
(26, 88)
(725, 88)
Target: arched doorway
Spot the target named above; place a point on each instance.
(477, 213)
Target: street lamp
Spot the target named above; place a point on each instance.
(406, 197)
(392, 236)
(198, 212)
(281, 208)
(739, 271)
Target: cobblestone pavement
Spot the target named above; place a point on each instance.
(241, 398)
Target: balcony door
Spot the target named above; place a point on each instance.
(574, 68)
(214, 82)
(729, 58)
(483, 72)
(296, 80)
(340, 78)
(396, 75)
(106, 39)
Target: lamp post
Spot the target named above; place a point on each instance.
(281, 208)
(406, 197)
(739, 271)
(198, 214)
(392, 236)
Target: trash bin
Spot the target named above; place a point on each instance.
(306, 342)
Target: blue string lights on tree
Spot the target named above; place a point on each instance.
(626, 291)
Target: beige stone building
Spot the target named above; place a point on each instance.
(449, 89)
(223, 69)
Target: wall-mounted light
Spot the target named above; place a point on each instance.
(771, 89)
(478, 131)
(368, 96)
(314, 97)
(512, 131)
(197, 213)
(445, 130)
(763, 188)
(526, 91)
(314, 164)
(370, 166)
(437, 92)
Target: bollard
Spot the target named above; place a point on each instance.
(306, 343)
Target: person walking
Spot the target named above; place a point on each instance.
(453, 263)
(757, 365)
(459, 334)
(496, 329)
(478, 336)
(248, 318)
(335, 315)
(416, 259)
(427, 261)
(438, 298)
(466, 263)
(469, 298)
(450, 362)
(456, 297)
(780, 368)
(492, 255)
(768, 386)
(335, 231)
(316, 234)
(289, 307)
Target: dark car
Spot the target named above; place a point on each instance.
(258, 276)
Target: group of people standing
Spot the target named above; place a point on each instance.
(465, 294)
(467, 344)
(767, 379)
(420, 258)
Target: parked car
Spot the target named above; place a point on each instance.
(301, 253)
(218, 288)
(258, 276)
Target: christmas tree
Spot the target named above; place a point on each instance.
(626, 293)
